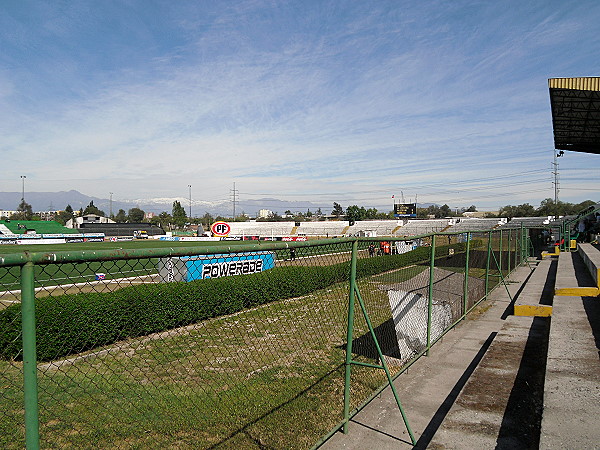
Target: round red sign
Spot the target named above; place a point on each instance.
(220, 228)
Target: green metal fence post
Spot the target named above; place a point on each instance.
(508, 250)
(487, 265)
(384, 366)
(349, 336)
(30, 389)
(466, 283)
(501, 245)
(430, 293)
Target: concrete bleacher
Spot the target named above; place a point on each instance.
(572, 378)
(535, 299)
(332, 228)
(517, 361)
(379, 227)
(578, 272)
(474, 225)
(525, 222)
(420, 227)
(261, 228)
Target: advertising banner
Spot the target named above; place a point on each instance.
(188, 268)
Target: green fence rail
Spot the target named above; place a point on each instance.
(270, 344)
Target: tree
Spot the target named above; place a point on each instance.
(121, 217)
(24, 211)
(337, 210)
(445, 211)
(179, 215)
(207, 220)
(471, 208)
(135, 215)
(64, 216)
(524, 210)
(92, 209)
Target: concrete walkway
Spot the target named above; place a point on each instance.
(429, 389)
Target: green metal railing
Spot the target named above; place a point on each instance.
(230, 360)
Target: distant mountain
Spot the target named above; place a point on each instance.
(49, 201)
(52, 201)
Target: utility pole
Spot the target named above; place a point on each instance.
(234, 195)
(190, 188)
(111, 214)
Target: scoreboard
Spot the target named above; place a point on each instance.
(405, 210)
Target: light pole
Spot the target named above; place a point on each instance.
(190, 188)
(111, 214)
(23, 194)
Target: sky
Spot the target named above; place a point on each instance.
(326, 101)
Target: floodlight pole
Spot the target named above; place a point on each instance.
(23, 193)
(190, 188)
(556, 188)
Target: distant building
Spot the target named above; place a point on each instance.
(265, 213)
(6, 214)
(88, 218)
(47, 215)
(149, 215)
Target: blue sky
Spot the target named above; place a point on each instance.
(346, 101)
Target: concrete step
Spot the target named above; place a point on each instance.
(500, 405)
(572, 380)
(536, 297)
(573, 277)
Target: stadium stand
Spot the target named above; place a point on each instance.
(526, 222)
(467, 224)
(265, 229)
(380, 227)
(419, 227)
(333, 228)
(40, 227)
(120, 229)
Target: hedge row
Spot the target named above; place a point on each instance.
(70, 324)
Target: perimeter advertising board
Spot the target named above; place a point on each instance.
(405, 210)
(188, 268)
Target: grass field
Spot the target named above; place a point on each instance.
(270, 377)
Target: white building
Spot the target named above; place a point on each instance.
(264, 213)
(88, 218)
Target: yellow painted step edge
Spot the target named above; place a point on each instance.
(578, 292)
(533, 310)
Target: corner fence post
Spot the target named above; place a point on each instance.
(466, 283)
(349, 336)
(30, 388)
(430, 293)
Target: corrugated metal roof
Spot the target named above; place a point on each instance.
(579, 83)
(575, 104)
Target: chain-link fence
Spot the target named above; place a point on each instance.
(246, 346)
